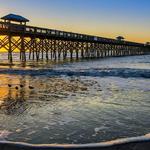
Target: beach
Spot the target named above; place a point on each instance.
(76, 102)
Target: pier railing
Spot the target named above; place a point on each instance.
(51, 33)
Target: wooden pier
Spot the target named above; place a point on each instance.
(42, 43)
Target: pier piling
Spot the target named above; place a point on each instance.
(41, 43)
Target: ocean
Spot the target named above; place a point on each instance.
(74, 102)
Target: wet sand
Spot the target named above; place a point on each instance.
(82, 102)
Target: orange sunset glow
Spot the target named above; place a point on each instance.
(108, 18)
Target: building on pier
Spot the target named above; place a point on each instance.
(15, 18)
(120, 38)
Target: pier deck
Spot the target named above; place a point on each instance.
(42, 43)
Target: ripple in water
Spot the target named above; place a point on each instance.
(80, 102)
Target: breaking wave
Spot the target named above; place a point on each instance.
(94, 72)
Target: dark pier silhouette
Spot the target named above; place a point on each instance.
(42, 43)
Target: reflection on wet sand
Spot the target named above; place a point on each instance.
(13, 95)
(17, 92)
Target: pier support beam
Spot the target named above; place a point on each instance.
(23, 52)
(10, 48)
(54, 49)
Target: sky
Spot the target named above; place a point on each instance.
(105, 18)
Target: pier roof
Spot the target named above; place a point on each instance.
(14, 17)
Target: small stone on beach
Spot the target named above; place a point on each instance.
(31, 87)
(16, 88)
(21, 86)
(9, 85)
